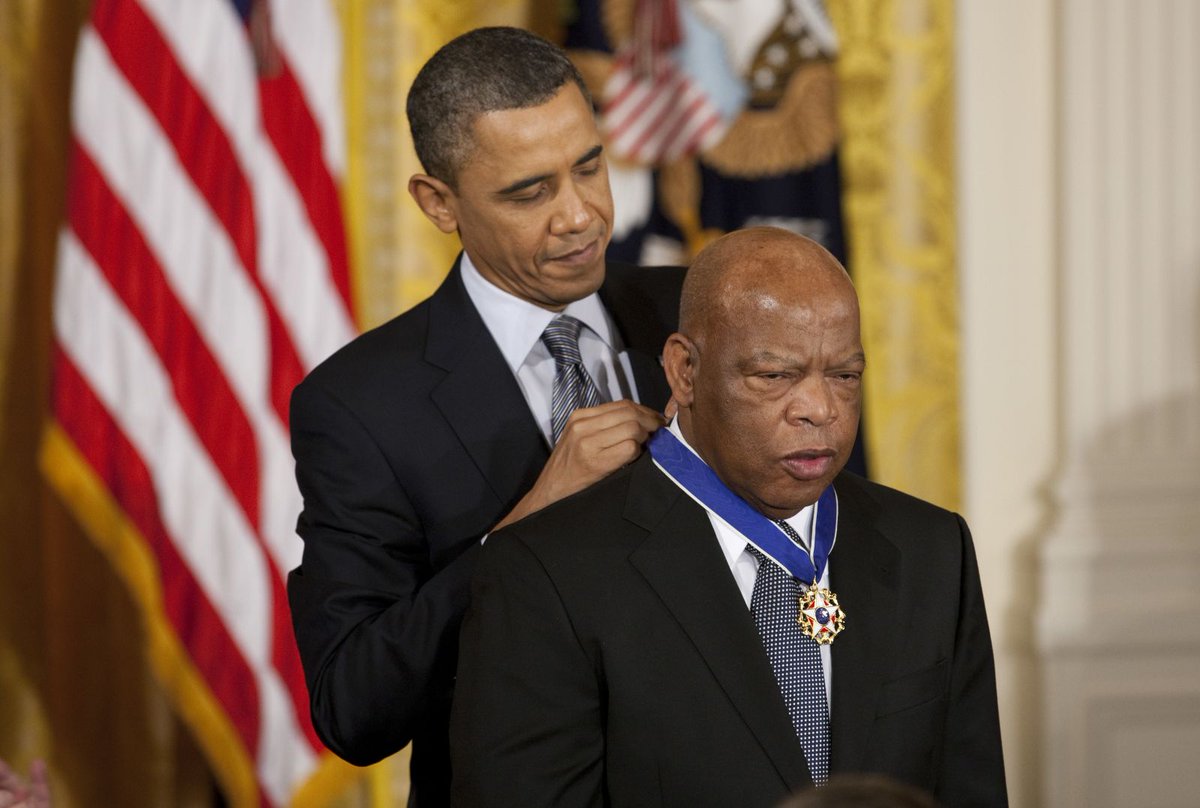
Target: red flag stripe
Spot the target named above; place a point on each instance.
(670, 115)
(109, 348)
(203, 393)
(302, 33)
(620, 85)
(631, 129)
(202, 271)
(104, 228)
(678, 135)
(201, 631)
(622, 116)
(204, 150)
(143, 56)
(294, 134)
(697, 140)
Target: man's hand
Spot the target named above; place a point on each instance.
(16, 793)
(595, 442)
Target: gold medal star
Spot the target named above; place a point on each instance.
(820, 616)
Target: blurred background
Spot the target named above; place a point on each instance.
(200, 199)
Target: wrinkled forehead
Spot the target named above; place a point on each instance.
(784, 314)
(759, 289)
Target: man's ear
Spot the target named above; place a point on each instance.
(436, 200)
(679, 363)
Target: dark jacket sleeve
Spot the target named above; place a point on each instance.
(526, 727)
(376, 624)
(973, 764)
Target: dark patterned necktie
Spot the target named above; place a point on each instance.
(795, 659)
(573, 387)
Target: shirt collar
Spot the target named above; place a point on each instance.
(515, 324)
(733, 543)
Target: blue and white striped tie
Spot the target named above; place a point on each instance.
(573, 387)
(795, 659)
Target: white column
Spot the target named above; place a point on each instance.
(1006, 64)
(1119, 608)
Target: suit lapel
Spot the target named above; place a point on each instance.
(863, 570)
(479, 396)
(652, 387)
(641, 332)
(682, 561)
(482, 401)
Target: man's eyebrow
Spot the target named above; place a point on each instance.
(522, 184)
(527, 182)
(769, 356)
(859, 357)
(591, 155)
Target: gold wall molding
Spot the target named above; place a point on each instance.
(399, 257)
(895, 70)
(17, 40)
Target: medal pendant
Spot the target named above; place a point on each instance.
(820, 616)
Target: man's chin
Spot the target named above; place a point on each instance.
(586, 279)
(789, 503)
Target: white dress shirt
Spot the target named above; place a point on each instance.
(517, 325)
(744, 566)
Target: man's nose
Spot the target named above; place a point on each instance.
(813, 401)
(572, 214)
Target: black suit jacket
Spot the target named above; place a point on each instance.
(608, 658)
(410, 444)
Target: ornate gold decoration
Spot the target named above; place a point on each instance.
(679, 196)
(895, 73)
(800, 131)
(17, 39)
(399, 257)
(820, 615)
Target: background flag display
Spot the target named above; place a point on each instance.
(202, 270)
(732, 123)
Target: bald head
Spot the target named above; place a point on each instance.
(746, 269)
(767, 366)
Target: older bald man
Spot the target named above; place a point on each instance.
(733, 617)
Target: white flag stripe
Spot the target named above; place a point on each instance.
(683, 92)
(633, 130)
(199, 263)
(302, 30)
(294, 267)
(623, 104)
(108, 347)
(680, 119)
(285, 758)
(194, 251)
(690, 114)
(223, 74)
(206, 525)
(617, 82)
(624, 113)
(634, 112)
(230, 533)
(279, 496)
(292, 263)
(699, 133)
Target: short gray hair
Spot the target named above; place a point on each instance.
(485, 70)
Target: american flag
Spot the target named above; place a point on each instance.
(659, 116)
(202, 270)
(653, 110)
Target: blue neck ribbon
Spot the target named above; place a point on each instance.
(695, 477)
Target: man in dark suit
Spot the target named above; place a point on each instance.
(671, 636)
(507, 389)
